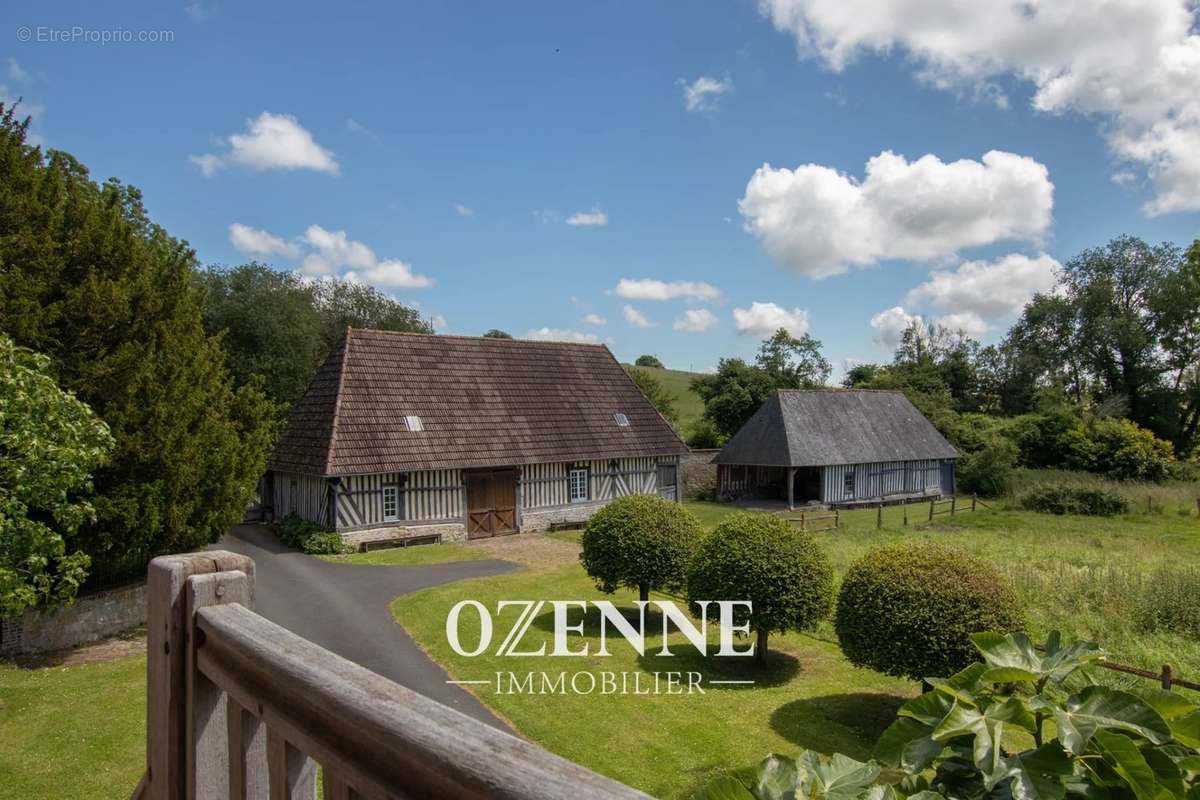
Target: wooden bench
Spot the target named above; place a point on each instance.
(399, 541)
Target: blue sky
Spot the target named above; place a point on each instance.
(440, 150)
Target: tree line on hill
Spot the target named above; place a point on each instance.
(1102, 375)
(141, 393)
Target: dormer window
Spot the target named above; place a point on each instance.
(414, 423)
(621, 420)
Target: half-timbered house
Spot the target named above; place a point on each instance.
(403, 435)
(836, 447)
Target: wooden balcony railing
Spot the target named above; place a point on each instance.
(239, 708)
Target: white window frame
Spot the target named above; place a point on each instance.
(573, 475)
(621, 419)
(414, 423)
(394, 492)
(848, 483)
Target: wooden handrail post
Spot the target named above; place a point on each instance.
(931, 502)
(879, 517)
(166, 665)
(953, 504)
(1167, 677)
(972, 502)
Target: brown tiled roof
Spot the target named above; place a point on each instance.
(483, 402)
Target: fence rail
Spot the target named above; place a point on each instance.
(820, 521)
(240, 708)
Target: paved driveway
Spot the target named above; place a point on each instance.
(344, 608)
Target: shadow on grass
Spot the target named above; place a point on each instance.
(743, 672)
(865, 714)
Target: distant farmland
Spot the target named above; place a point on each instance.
(678, 383)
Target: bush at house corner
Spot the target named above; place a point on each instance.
(110, 297)
(49, 444)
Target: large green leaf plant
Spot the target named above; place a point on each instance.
(1026, 723)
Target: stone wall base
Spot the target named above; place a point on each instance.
(449, 531)
(90, 618)
(541, 519)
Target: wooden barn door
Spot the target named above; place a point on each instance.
(491, 502)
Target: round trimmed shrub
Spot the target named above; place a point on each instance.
(641, 541)
(909, 610)
(761, 558)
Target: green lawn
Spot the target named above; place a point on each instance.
(807, 696)
(1084, 576)
(72, 732)
(412, 556)
(678, 382)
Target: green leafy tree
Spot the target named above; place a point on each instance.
(271, 327)
(648, 361)
(279, 328)
(655, 392)
(761, 558)
(733, 393)
(88, 279)
(50, 443)
(1026, 723)
(496, 333)
(346, 304)
(793, 363)
(643, 542)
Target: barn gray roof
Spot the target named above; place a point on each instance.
(811, 428)
(482, 403)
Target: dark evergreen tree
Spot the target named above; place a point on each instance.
(89, 280)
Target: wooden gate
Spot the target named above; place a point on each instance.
(491, 502)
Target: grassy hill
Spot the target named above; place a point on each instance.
(677, 382)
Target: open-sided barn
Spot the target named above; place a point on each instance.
(836, 447)
(405, 435)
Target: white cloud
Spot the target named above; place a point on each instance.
(651, 289)
(356, 126)
(636, 318)
(595, 319)
(820, 222)
(439, 322)
(196, 11)
(463, 211)
(17, 73)
(260, 243)
(703, 93)
(561, 335)
(966, 322)
(271, 141)
(695, 320)
(334, 251)
(1133, 65)
(889, 326)
(763, 319)
(324, 253)
(588, 218)
(988, 289)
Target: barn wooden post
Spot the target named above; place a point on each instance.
(931, 502)
(879, 517)
(791, 479)
(802, 521)
(953, 504)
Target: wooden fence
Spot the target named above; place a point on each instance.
(820, 521)
(239, 708)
